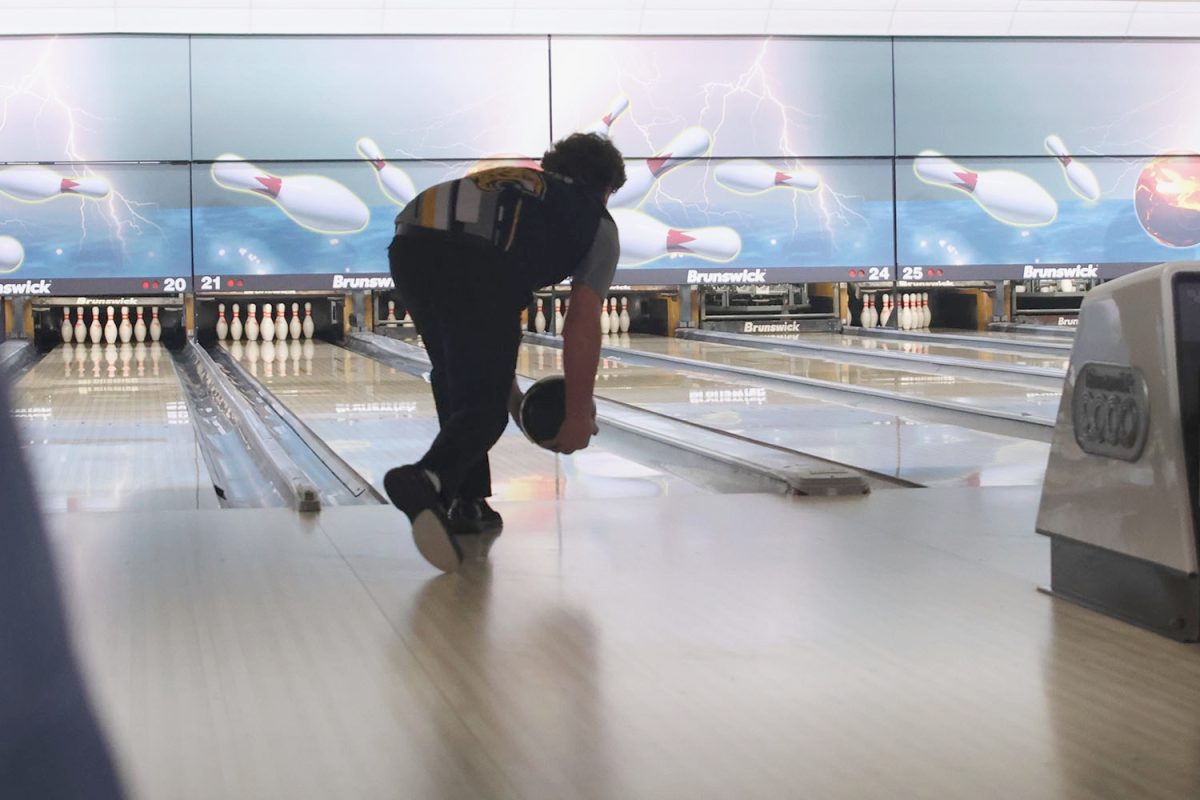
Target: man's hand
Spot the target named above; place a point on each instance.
(575, 434)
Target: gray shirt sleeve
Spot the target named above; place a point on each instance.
(598, 266)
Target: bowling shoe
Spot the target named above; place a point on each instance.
(474, 516)
(475, 526)
(411, 491)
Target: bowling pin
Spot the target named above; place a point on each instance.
(252, 322)
(35, 183)
(110, 326)
(558, 317)
(235, 326)
(266, 328)
(68, 330)
(906, 315)
(1080, 177)
(312, 201)
(1010, 197)
(155, 325)
(539, 319)
(391, 315)
(925, 306)
(307, 328)
(95, 331)
(294, 324)
(886, 314)
(80, 328)
(864, 317)
(624, 318)
(604, 325)
(139, 327)
(603, 125)
(644, 239)
(394, 181)
(11, 254)
(566, 311)
(614, 318)
(689, 144)
(281, 326)
(125, 330)
(756, 177)
(222, 325)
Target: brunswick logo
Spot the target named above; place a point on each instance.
(771, 327)
(25, 287)
(343, 282)
(1078, 271)
(742, 276)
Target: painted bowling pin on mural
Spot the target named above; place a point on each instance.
(689, 144)
(11, 254)
(394, 181)
(1080, 177)
(315, 202)
(34, 183)
(644, 238)
(756, 177)
(1010, 197)
(615, 109)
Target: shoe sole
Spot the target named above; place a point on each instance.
(430, 532)
(435, 543)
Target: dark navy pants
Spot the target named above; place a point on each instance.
(466, 304)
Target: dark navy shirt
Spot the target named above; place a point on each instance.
(553, 227)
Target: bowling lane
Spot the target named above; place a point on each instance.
(1008, 396)
(926, 453)
(375, 417)
(1013, 357)
(106, 428)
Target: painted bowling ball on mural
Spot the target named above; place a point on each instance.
(1167, 199)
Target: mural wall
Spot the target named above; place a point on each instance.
(144, 164)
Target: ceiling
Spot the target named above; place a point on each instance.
(1109, 18)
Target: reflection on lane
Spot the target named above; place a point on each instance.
(1014, 357)
(1009, 397)
(925, 453)
(107, 428)
(376, 417)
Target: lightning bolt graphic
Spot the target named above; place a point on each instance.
(717, 110)
(41, 84)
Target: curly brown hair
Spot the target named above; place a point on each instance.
(587, 158)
